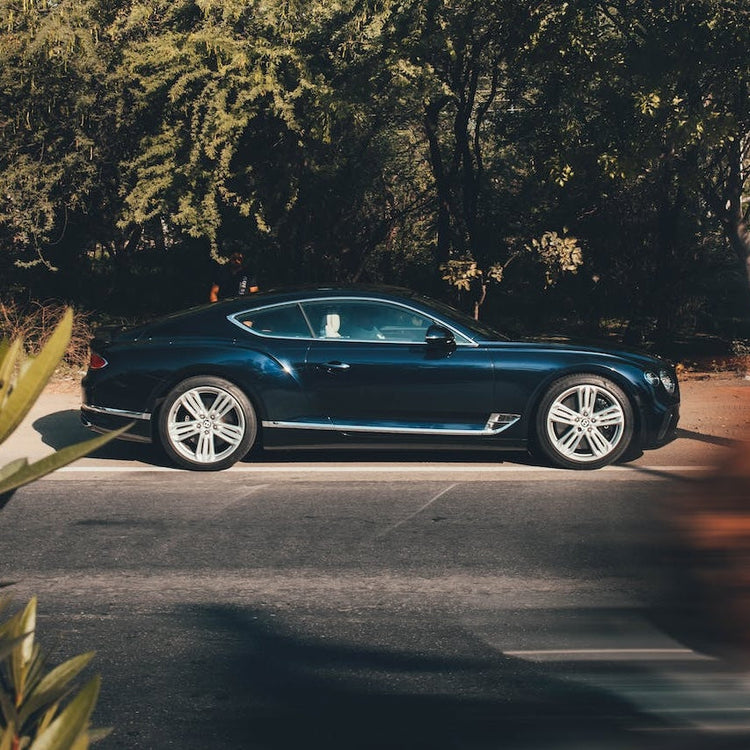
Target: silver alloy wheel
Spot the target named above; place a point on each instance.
(206, 424)
(585, 423)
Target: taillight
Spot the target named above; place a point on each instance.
(96, 362)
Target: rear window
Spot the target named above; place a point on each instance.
(286, 321)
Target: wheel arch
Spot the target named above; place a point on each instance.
(206, 370)
(618, 378)
(197, 435)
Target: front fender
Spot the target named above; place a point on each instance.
(629, 379)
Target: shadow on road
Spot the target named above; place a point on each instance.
(61, 428)
(64, 428)
(252, 685)
(703, 438)
(381, 454)
(273, 690)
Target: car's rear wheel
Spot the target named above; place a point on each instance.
(584, 422)
(207, 424)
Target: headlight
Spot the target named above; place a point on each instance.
(664, 377)
(668, 381)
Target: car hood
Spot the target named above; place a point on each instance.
(598, 349)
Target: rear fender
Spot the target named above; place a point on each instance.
(256, 376)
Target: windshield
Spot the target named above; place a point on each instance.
(479, 329)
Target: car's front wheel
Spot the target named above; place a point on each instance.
(207, 424)
(584, 422)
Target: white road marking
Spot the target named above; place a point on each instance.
(599, 654)
(387, 531)
(713, 710)
(713, 728)
(221, 502)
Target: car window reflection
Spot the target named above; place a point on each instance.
(366, 321)
(341, 319)
(285, 321)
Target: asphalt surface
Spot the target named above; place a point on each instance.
(420, 601)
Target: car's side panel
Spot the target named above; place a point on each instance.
(391, 387)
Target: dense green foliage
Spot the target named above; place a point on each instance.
(404, 141)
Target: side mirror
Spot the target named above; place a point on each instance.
(439, 337)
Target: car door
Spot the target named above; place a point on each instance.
(370, 370)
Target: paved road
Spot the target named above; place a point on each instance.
(369, 611)
(475, 602)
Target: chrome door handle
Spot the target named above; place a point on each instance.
(330, 366)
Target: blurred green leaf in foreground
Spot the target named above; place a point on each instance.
(38, 711)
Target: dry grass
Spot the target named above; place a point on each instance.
(35, 321)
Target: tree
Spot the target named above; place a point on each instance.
(211, 93)
(55, 125)
(644, 127)
(454, 55)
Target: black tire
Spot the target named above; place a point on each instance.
(584, 422)
(207, 424)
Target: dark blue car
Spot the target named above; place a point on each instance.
(354, 367)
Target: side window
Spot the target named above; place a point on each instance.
(286, 321)
(366, 321)
(325, 318)
(400, 324)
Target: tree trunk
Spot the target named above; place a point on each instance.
(666, 291)
(735, 221)
(442, 252)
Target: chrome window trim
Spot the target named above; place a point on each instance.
(233, 319)
(116, 412)
(464, 339)
(496, 424)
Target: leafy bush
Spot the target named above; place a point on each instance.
(37, 711)
(31, 700)
(34, 322)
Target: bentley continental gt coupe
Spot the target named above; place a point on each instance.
(368, 367)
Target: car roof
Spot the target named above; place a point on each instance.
(290, 294)
(223, 309)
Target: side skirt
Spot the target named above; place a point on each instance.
(495, 424)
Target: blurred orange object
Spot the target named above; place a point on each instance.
(709, 538)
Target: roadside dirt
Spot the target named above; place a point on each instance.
(716, 404)
(65, 382)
